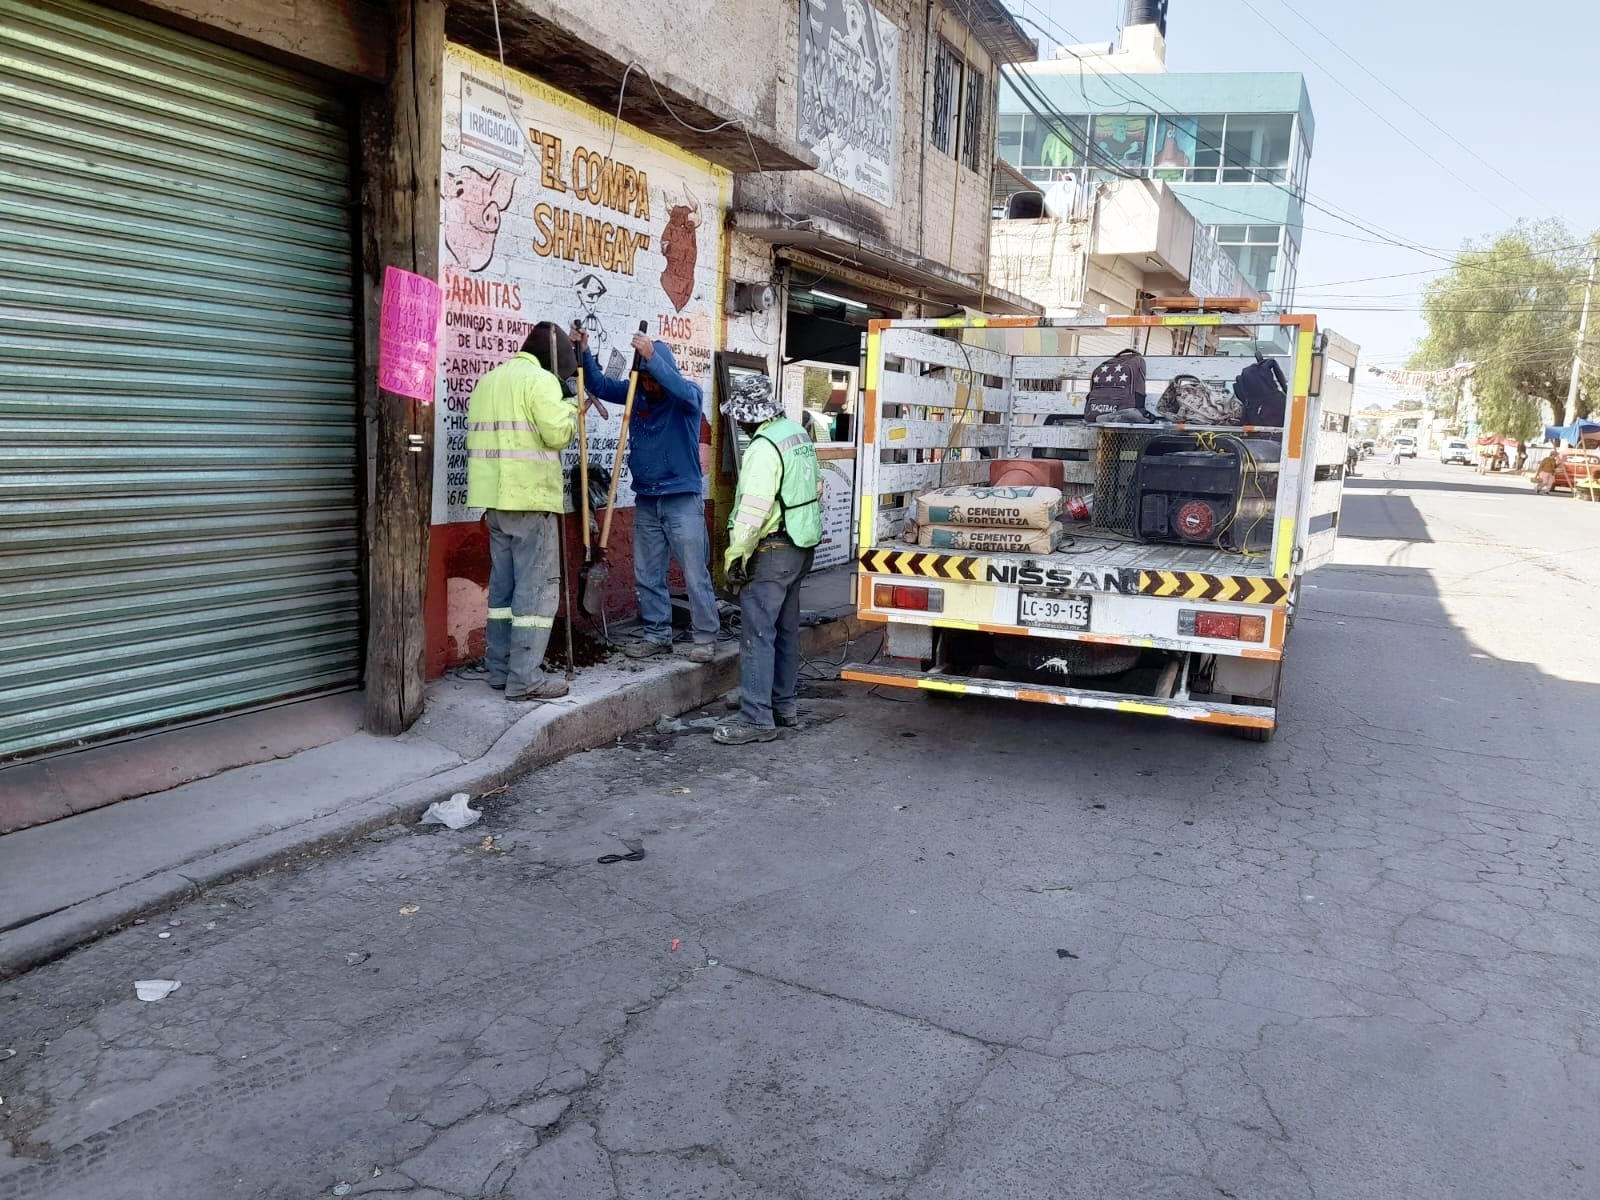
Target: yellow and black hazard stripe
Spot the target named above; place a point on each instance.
(926, 566)
(1196, 585)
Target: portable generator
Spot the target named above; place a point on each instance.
(1205, 490)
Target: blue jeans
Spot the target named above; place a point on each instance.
(769, 638)
(664, 528)
(524, 592)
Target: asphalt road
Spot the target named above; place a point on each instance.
(929, 949)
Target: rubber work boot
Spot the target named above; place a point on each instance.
(787, 720)
(700, 652)
(644, 648)
(550, 689)
(740, 733)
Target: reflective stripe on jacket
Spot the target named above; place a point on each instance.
(779, 486)
(518, 423)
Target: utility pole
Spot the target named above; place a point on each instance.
(1583, 327)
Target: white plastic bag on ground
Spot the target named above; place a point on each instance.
(155, 989)
(453, 813)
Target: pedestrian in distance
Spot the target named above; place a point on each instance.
(772, 539)
(669, 516)
(519, 419)
(1544, 475)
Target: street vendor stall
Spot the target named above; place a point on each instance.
(1495, 454)
(1582, 433)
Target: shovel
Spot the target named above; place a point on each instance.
(592, 575)
(622, 448)
(561, 534)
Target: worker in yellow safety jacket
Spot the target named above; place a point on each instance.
(772, 538)
(519, 419)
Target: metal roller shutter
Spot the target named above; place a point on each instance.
(179, 523)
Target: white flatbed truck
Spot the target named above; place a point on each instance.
(1187, 628)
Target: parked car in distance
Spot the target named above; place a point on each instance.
(1406, 445)
(1456, 450)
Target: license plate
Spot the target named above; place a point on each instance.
(1059, 612)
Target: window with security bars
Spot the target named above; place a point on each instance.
(946, 84)
(972, 120)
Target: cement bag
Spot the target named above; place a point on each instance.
(990, 507)
(998, 541)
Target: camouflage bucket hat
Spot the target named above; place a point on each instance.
(750, 400)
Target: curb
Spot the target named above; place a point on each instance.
(543, 736)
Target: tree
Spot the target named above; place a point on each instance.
(1511, 307)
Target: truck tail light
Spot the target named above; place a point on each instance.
(1217, 625)
(1229, 627)
(919, 599)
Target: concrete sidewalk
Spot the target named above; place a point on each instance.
(74, 879)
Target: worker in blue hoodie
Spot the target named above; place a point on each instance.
(669, 514)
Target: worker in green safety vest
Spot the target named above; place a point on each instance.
(519, 419)
(772, 538)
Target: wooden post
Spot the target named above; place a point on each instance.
(400, 132)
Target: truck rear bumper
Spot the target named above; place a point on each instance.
(1238, 716)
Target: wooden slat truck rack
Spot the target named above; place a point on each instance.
(1108, 620)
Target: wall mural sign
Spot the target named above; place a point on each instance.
(550, 211)
(849, 93)
(408, 334)
(838, 512)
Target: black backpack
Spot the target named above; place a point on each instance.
(1263, 391)
(1115, 386)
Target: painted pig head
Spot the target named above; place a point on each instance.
(680, 247)
(473, 203)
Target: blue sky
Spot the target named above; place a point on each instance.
(1517, 83)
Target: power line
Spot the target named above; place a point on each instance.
(1508, 285)
(1133, 81)
(1320, 204)
(1383, 237)
(1504, 312)
(1398, 96)
(1362, 100)
(1040, 105)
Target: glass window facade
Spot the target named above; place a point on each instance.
(1256, 149)
(1222, 148)
(1043, 152)
(1218, 148)
(1266, 255)
(1121, 141)
(1189, 149)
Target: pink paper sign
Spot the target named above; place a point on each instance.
(408, 334)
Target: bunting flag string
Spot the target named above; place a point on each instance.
(1423, 380)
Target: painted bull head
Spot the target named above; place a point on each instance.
(473, 203)
(680, 247)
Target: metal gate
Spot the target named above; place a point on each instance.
(179, 518)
